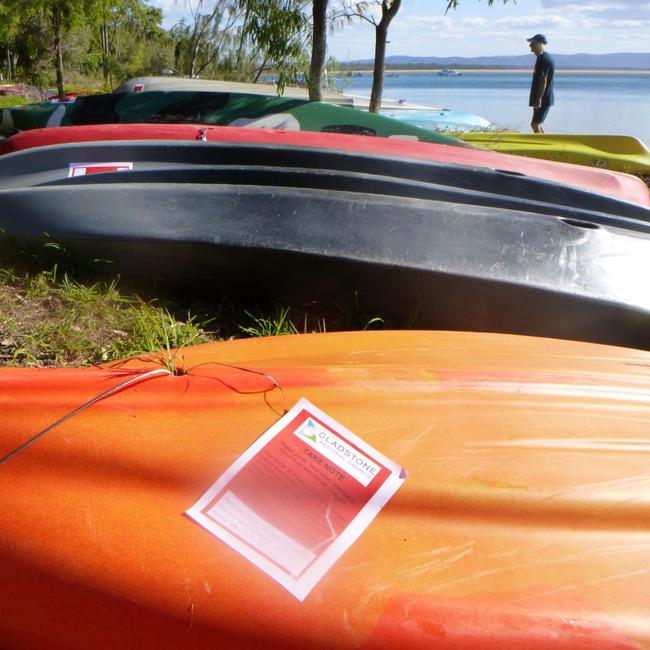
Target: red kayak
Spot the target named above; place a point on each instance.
(600, 181)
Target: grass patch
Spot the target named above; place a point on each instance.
(46, 320)
(57, 318)
(275, 324)
(7, 101)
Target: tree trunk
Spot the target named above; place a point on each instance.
(195, 38)
(58, 51)
(9, 71)
(388, 12)
(381, 36)
(258, 73)
(318, 50)
(105, 68)
(240, 49)
(195, 54)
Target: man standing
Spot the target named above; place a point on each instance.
(541, 89)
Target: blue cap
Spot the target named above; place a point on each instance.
(538, 37)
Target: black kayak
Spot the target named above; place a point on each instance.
(464, 248)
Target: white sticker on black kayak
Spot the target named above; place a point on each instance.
(85, 169)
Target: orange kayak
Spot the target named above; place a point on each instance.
(524, 521)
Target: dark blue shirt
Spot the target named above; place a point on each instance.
(544, 69)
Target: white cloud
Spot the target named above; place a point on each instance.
(170, 6)
(627, 24)
(589, 7)
(534, 21)
(616, 10)
(173, 10)
(472, 21)
(424, 22)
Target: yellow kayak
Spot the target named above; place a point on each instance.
(617, 152)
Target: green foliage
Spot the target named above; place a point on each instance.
(453, 4)
(28, 45)
(210, 38)
(120, 38)
(52, 41)
(280, 29)
(127, 39)
(9, 24)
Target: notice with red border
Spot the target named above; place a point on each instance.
(299, 497)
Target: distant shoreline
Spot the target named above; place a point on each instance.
(394, 71)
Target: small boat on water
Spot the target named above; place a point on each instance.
(462, 247)
(522, 523)
(617, 152)
(448, 72)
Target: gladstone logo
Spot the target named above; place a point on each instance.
(308, 430)
(338, 451)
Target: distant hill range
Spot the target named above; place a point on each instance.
(620, 61)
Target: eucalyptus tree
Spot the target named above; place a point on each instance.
(368, 10)
(213, 34)
(128, 36)
(26, 39)
(283, 28)
(108, 17)
(280, 31)
(318, 49)
(9, 29)
(62, 16)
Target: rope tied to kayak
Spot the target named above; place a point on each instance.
(107, 393)
(170, 363)
(271, 378)
(157, 372)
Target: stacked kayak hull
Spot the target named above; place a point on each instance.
(147, 84)
(523, 523)
(406, 236)
(602, 182)
(217, 108)
(270, 161)
(617, 152)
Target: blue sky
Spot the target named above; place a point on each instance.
(474, 29)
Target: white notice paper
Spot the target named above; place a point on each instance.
(299, 497)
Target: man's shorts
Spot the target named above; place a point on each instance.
(539, 114)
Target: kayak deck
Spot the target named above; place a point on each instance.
(523, 521)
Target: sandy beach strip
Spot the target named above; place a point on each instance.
(558, 70)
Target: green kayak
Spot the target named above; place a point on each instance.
(617, 152)
(213, 108)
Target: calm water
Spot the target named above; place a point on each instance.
(584, 103)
